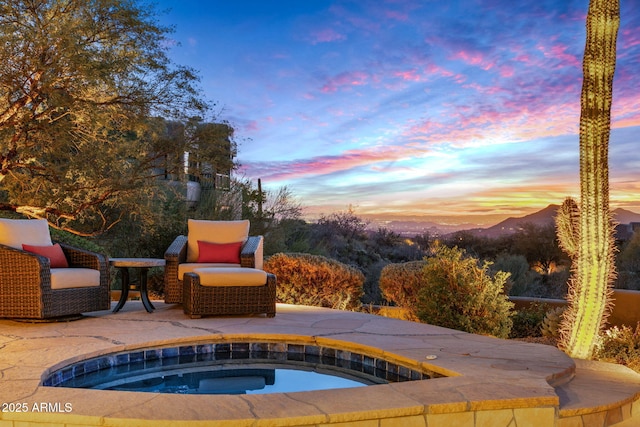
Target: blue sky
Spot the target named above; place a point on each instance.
(446, 109)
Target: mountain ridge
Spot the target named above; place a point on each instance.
(546, 216)
(413, 226)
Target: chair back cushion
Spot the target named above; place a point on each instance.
(56, 256)
(16, 232)
(214, 232)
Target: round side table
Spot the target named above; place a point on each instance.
(143, 264)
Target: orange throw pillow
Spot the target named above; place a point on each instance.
(53, 252)
(228, 253)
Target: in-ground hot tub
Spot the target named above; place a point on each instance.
(486, 381)
(233, 368)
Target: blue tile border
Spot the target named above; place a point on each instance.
(272, 351)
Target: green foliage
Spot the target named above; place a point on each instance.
(211, 149)
(520, 276)
(148, 228)
(539, 245)
(344, 236)
(628, 264)
(461, 294)
(315, 280)
(620, 345)
(527, 321)
(555, 285)
(274, 215)
(290, 235)
(81, 81)
(372, 291)
(70, 239)
(401, 283)
(217, 205)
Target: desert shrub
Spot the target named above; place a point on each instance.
(315, 280)
(556, 284)
(620, 345)
(459, 293)
(628, 264)
(400, 283)
(628, 280)
(372, 293)
(527, 322)
(521, 276)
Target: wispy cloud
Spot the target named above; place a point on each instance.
(413, 106)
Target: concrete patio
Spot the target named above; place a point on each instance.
(489, 382)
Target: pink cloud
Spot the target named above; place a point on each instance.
(513, 122)
(409, 75)
(252, 126)
(323, 165)
(397, 16)
(507, 71)
(346, 79)
(629, 37)
(486, 90)
(625, 111)
(473, 58)
(327, 35)
(560, 52)
(562, 58)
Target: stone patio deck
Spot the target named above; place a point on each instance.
(490, 382)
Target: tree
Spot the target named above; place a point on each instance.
(342, 235)
(538, 243)
(586, 231)
(79, 81)
(211, 151)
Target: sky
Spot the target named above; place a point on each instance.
(457, 110)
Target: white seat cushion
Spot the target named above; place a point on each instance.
(189, 267)
(15, 232)
(66, 278)
(214, 232)
(231, 276)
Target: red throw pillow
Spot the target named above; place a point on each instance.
(228, 253)
(53, 252)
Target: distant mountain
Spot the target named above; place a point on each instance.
(443, 226)
(543, 217)
(623, 216)
(416, 225)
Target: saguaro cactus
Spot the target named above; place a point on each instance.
(586, 231)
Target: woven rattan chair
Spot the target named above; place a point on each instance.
(26, 278)
(182, 256)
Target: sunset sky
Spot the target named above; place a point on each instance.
(447, 109)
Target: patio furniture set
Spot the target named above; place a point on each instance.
(215, 270)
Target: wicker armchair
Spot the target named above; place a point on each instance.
(181, 256)
(26, 280)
